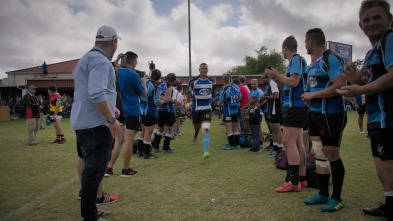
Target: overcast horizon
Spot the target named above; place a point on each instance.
(223, 31)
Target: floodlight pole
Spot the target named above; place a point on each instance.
(189, 40)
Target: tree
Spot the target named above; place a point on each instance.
(358, 63)
(257, 65)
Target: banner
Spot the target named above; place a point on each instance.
(344, 50)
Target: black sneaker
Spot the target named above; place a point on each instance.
(80, 195)
(255, 151)
(157, 150)
(62, 141)
(150, 156)
(129, 172)
(380, 211)
(108, 173)
(139, 154)
(250, 150)
(56, 141)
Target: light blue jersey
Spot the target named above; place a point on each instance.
(230, 98)
(320, 75)
(165, 107)
(377, 62)
(292, 96)
(147, 103)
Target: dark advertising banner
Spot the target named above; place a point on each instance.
(344, 50)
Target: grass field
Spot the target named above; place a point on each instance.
(40, 182)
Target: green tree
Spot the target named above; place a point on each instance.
(257, 65)
(358, 63)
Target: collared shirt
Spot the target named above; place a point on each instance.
(95, 82)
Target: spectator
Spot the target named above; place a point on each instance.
(93, 115)
(32, 114)
(44, 67)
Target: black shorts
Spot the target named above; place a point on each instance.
(133, 123)
(305, 128)
(199, 116)
(362, 109)
(275, 118)
(166, 118)
(148, 120)
(295, 117)
(233, 118)
(381, 145)
(328, 127)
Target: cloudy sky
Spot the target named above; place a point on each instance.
(223, 31)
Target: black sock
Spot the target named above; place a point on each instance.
(140, 146)
(275, 148)
(196, 134)
(231, 141)
(294, 174)
(389, 204)
(287, 177)
(302, 178)
(167, 141)
(237, 139)
(323, 180)
(338, 172)
(260, 142)
(271, 139)
(157, 140)
(146, 149)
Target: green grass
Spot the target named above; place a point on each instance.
(40, 182)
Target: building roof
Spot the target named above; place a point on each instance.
(65, 66)
(45, 83)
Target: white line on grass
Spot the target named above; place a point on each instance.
(27, 206)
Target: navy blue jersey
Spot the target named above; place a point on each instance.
(292, 95)
(148, 106)
(377, 62)
(230, 98)
(165, 107)
(320, 75)
(201, 93)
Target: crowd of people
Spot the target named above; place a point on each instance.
(302, 107)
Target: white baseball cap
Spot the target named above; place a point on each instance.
(106, 33)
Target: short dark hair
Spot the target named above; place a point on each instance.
(203, 64)
(226, 78)
(366, 4)
(317, 36)
(242, 79)
(171, 77)
(155, 75)
(179, 87)
(131, 56)
(236, 81)
(52, 88)
(291, 43)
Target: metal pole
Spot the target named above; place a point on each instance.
(189, 40)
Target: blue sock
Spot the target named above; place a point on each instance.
(206, 140)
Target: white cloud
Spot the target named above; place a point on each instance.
(55, 30)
